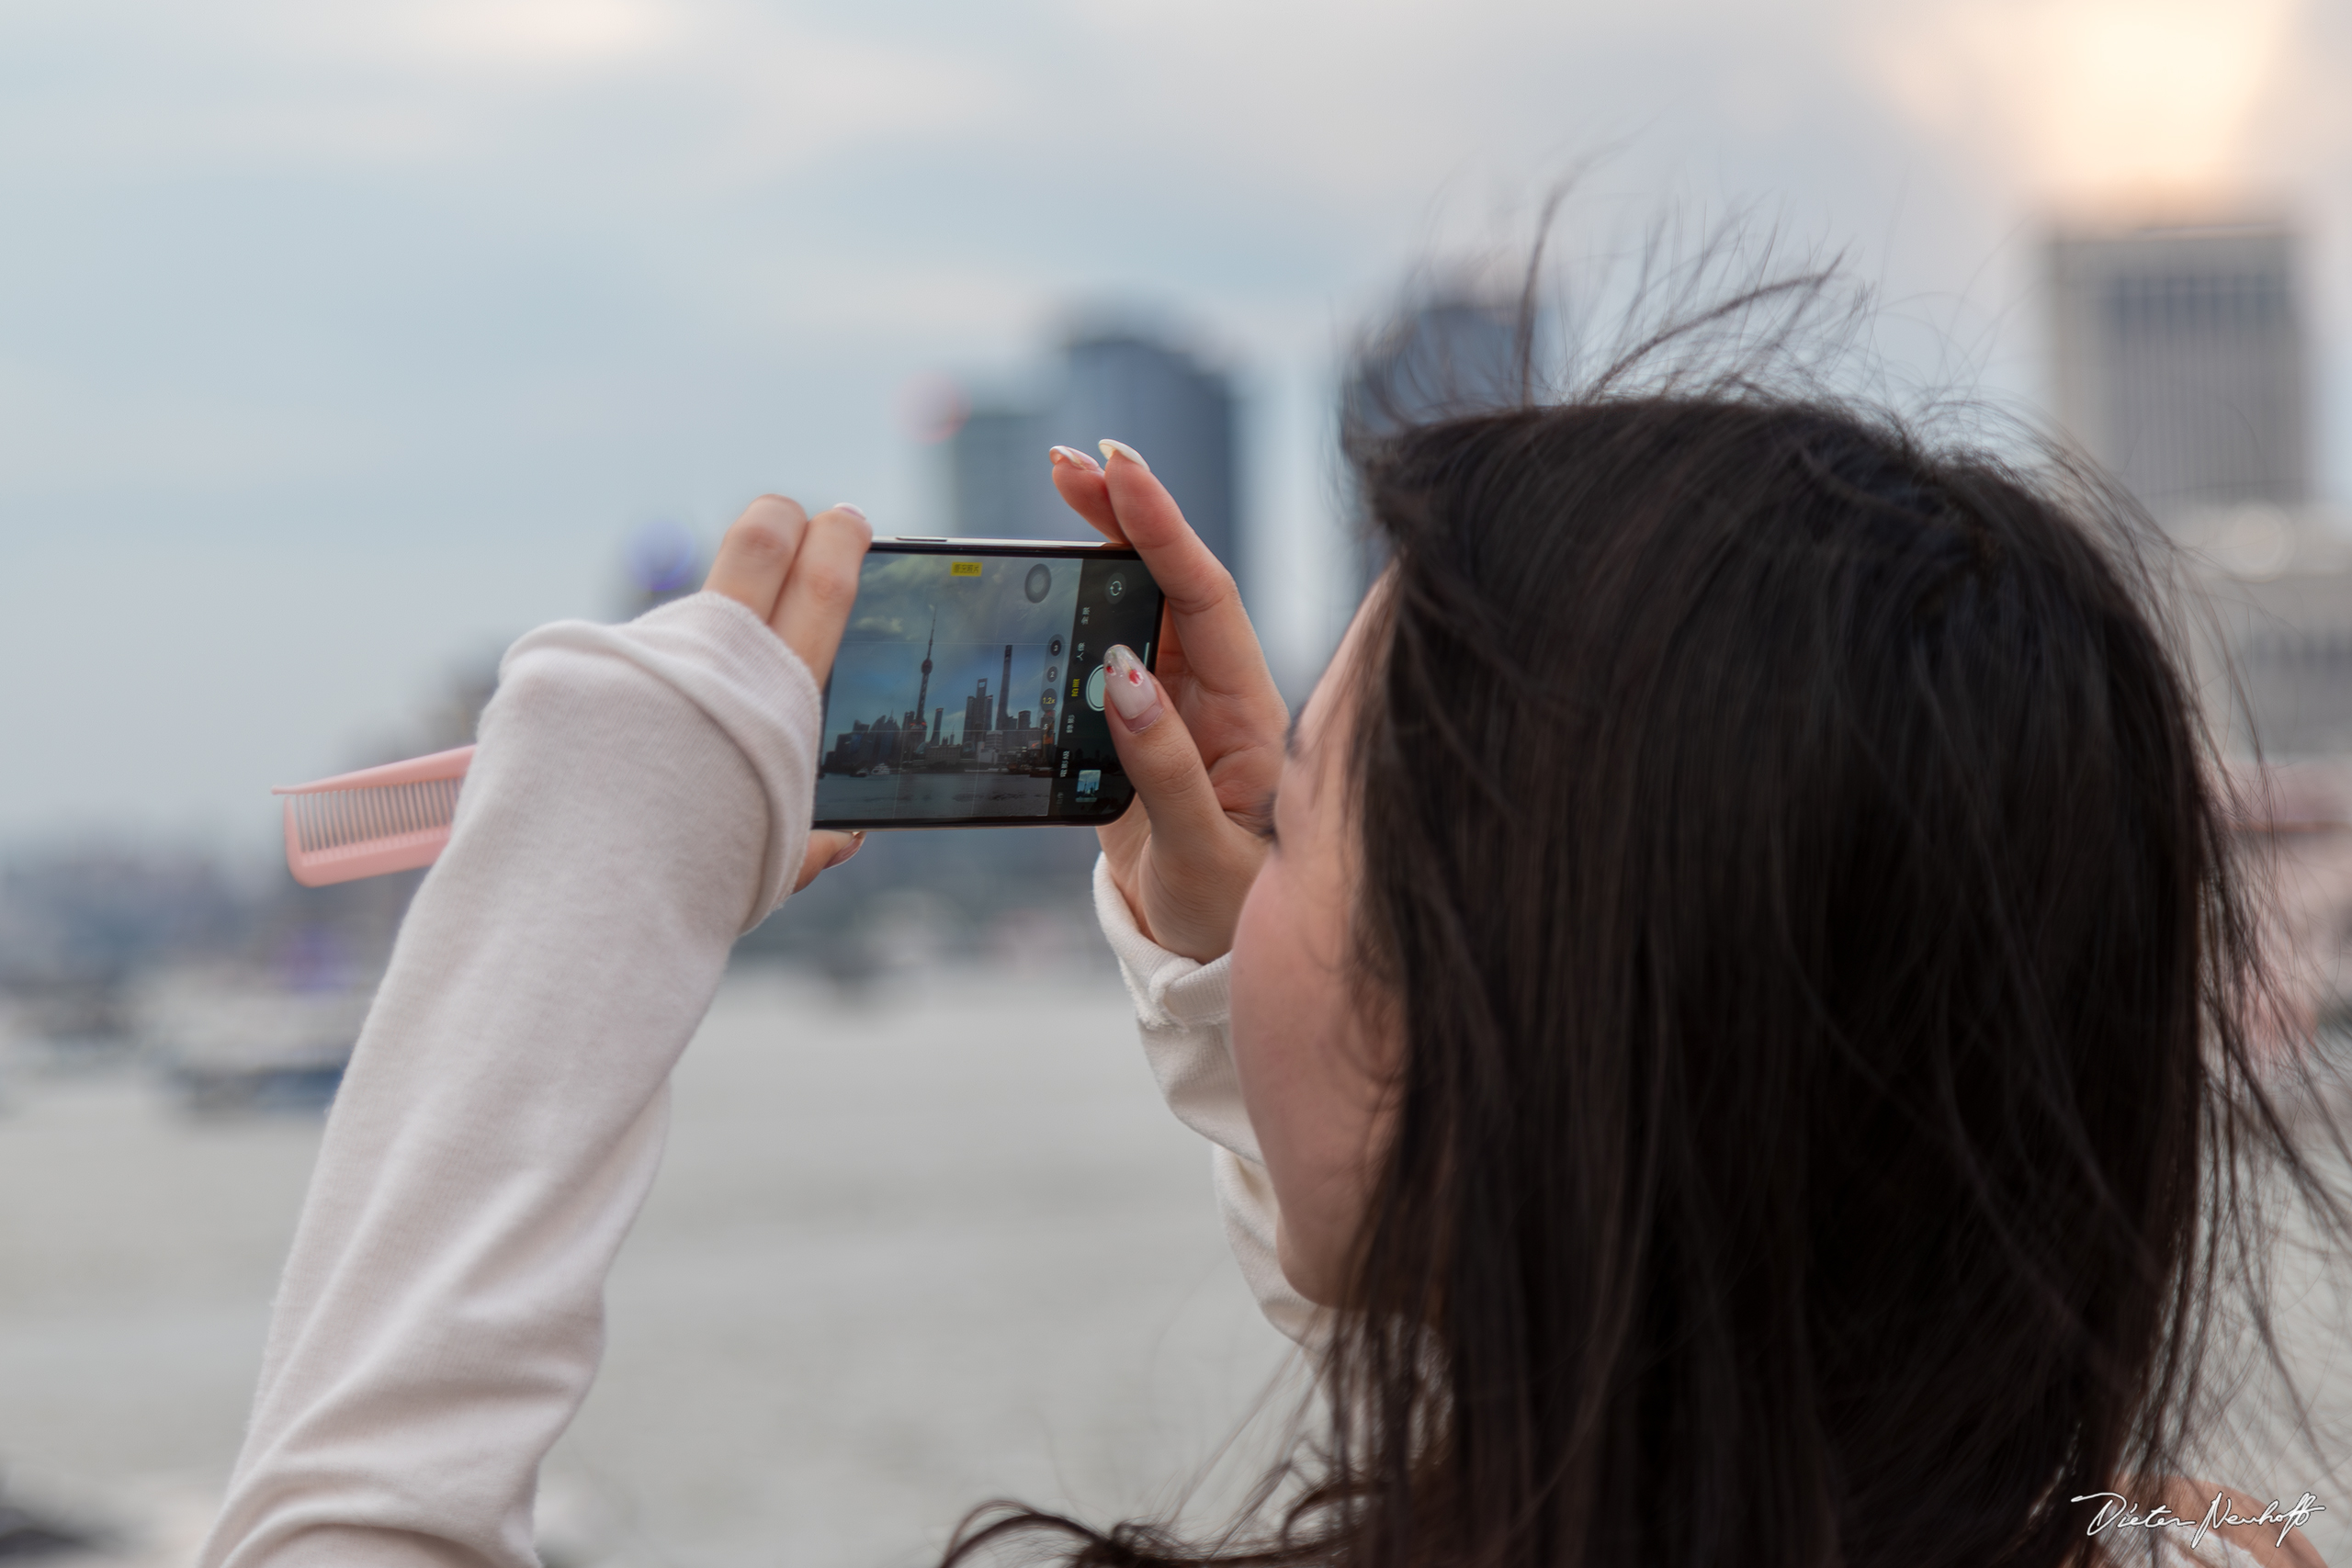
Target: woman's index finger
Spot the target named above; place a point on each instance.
(1082, 488)
(1204, 606)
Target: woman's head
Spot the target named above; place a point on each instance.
(1767, 873)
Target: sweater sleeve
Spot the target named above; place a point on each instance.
(1181, 1009)
(640, 796)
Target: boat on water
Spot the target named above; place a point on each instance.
(232, 1041)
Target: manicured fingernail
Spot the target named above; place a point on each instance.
(1075, 459)
(1132, 690)
(856, 511)
(1120, 449)
(857, 842)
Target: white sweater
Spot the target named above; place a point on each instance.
(641, 796)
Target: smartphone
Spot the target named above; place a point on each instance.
(969, 686)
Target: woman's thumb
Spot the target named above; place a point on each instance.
(827, 849)
(1158, 750)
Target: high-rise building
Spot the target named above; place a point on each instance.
(997, 481)
(1156, 397)
(979, 713)
(1454, 353)
(2178, 362)
(1177, 412)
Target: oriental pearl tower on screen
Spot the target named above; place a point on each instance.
(922, 693)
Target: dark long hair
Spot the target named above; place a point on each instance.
(1825, 1125)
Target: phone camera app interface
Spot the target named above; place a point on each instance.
(1001, 659)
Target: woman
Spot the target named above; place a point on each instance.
(1720, 1022)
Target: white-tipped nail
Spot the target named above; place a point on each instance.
(1120, 449)
(1131, 688)
(856, 511)
(1075, 459)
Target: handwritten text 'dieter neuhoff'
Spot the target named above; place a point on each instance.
(2116, 1512)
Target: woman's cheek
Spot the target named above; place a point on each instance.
(1255, 1007)
(1266, 1018)
(1288, 1004)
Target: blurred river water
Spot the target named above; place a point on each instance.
(918, 1243)
(912, 1247)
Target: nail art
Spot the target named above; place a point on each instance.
(1120, 449)
(1131, 688)
(1075, 459)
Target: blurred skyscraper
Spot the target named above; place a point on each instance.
(1454, 353)
(1152, 395)
(997, 477)
(2178, 360)
(2180, 363)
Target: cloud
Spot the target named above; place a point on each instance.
(711, 94)
(2090, 101)
(63, 429)
(494, 278)
(530, 35)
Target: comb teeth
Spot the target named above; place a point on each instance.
(395, 818)
(340, 819)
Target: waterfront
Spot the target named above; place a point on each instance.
(841, 796)
(907, 1253)
(912, 1247)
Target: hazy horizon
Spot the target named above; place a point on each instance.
(338, 347)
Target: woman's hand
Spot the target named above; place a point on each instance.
(1203, 742)
(799, 573)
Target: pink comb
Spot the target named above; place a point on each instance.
(395, 818)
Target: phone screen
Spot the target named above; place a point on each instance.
(969, 686)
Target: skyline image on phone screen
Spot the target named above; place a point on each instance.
(969, 686)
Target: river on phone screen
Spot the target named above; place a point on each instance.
(917, 796)
(911, 1248)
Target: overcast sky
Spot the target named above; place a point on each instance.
(340, 343)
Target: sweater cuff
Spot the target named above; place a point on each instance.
(1170, 989)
